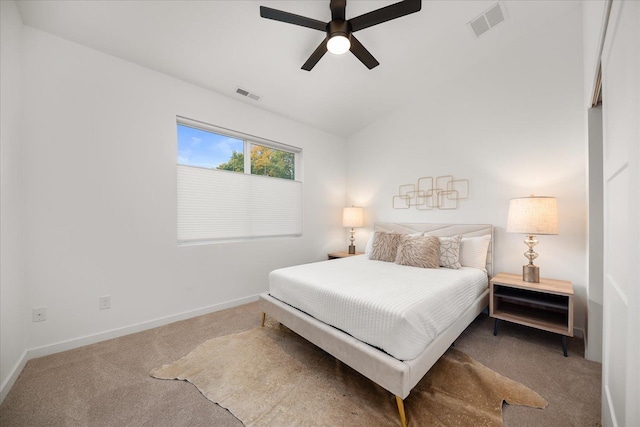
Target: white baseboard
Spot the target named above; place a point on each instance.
(114, 333)
(127, 330)
(579, 333)
(15, 373)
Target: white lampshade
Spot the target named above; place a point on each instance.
(353, 217)
(533, 215)
(338, 45)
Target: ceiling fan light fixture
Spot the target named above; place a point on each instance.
(338, 44)
(339, 31)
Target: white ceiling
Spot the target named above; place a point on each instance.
(221, 45)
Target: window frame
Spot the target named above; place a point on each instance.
(222, 232)
(248, 141)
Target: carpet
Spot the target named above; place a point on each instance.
(272, 377)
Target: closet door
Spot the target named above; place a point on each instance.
(621, 300)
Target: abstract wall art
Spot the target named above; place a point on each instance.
(442, 192)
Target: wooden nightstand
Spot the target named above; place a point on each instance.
(547, 305)
(342, 254)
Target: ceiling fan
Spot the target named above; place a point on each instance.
(339, 31)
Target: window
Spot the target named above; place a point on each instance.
(225, 195)
(204, 149)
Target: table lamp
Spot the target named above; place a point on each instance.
(532, 215)
(352, 217)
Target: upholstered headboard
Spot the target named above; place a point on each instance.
(443, 230)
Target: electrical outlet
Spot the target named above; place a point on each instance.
(105, 302)
(39, 314)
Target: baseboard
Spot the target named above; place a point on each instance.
(127, 330)
(578, 333)
(107, 335)
(15, 373)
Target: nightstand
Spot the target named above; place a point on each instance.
(547, 305)
(342, 254)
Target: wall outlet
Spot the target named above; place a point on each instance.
(39, 314)
(105, 302)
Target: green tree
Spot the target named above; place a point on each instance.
(272, 162)
(265, 161)
(235, 163)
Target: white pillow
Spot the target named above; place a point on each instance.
(367, 249)
(473, 251)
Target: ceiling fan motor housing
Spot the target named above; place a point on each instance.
(339, 27)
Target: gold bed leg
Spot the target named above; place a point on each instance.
(403, 417)
(264, 316)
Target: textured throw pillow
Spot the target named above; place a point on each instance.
(419, 251)
(450, 251)
(372, 235)
(473, 251)
(385, 246)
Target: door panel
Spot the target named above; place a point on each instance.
(621, 297)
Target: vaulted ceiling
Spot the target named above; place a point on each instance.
(223, 45)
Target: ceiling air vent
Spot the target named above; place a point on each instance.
(487, 20)
(248, 94)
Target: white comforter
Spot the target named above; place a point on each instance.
(396, 308)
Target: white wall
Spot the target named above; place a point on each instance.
(13, 292)
(513, 125)
(593, 327)
(593, 25)
(100, 195)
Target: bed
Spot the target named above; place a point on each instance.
(393, 365)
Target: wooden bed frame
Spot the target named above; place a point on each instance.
(396, 376)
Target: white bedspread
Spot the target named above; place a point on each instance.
(396, 308)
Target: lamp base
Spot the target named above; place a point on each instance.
(352, 249)
(531, 273)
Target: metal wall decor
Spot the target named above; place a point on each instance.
(443, 192)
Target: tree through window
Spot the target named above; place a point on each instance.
(215, 205)
(265, 161)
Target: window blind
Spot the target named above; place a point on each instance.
(216, 205)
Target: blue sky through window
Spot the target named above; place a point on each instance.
(205, 149)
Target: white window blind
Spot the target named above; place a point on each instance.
(216, 205)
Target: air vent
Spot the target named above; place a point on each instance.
(248, 94)
(487, 20)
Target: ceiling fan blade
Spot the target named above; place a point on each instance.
(362, 53)
(315, 56)
(290, 18)
(385, 14)
(338, 8)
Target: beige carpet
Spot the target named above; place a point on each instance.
(271, 376)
